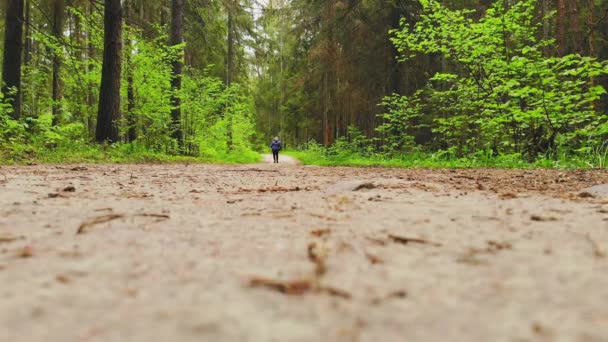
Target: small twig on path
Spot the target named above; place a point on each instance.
(98, 220)
(400, 294)
(407, 240)
(162, 216)
(273, 189)
(317, 254)
(252, 170)
(111, 217)
(332, 291)
(292, 288)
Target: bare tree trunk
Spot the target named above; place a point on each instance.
(591, 28)
(109, 92)
(561, 27)
(131, 120)
(230, 66)
(90, 96)
(76, 39)
(395, 66)
(27, 53)
(13, 49)
(58, 9)
(176, 38)
(575, 33)
(546, 24)
(230, 55)
(28, 34)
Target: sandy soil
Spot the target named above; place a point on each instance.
(295, 253)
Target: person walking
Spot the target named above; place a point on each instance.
(276, 147)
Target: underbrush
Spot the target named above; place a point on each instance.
(80, 152)
(331, 157)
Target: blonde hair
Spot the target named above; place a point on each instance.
(276, 138)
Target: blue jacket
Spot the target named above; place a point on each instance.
(276, 145)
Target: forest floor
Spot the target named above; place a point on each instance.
(300, 253)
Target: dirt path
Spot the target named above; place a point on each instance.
(296, 253)
(283, 159)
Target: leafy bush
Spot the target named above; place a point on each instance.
(506, 95)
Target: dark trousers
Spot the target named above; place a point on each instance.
(275, 155)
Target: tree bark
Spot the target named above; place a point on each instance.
(176, 38)
(230, 55)
(561, 27)
(27, 57)
(90, 96)
(109, 92)
(131, 121)
(591, 28)
(13, 49)
(575, 32)
(58, 9)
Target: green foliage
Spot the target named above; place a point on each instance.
(315, 154)
(150, 64)
(222, 120)
(505, 95)
(218, 121)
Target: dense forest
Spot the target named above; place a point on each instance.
(216, 79)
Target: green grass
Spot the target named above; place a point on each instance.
(120, 154)
(438, 160)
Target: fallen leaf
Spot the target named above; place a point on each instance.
(9, 238)
(374, 260)
(320, 232)
(25, 252)
(63, 279)
(397, 294)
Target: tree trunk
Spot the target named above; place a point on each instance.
(13, 49)
(90, 96)
(27, 53)
(561, 27)
(395, 66)
(575, 32)
(591, 28)
(58, 9)
(131, 121)
(230, 55)
(109, 92)
(28, 34)
(176, 38)
(546, 25)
